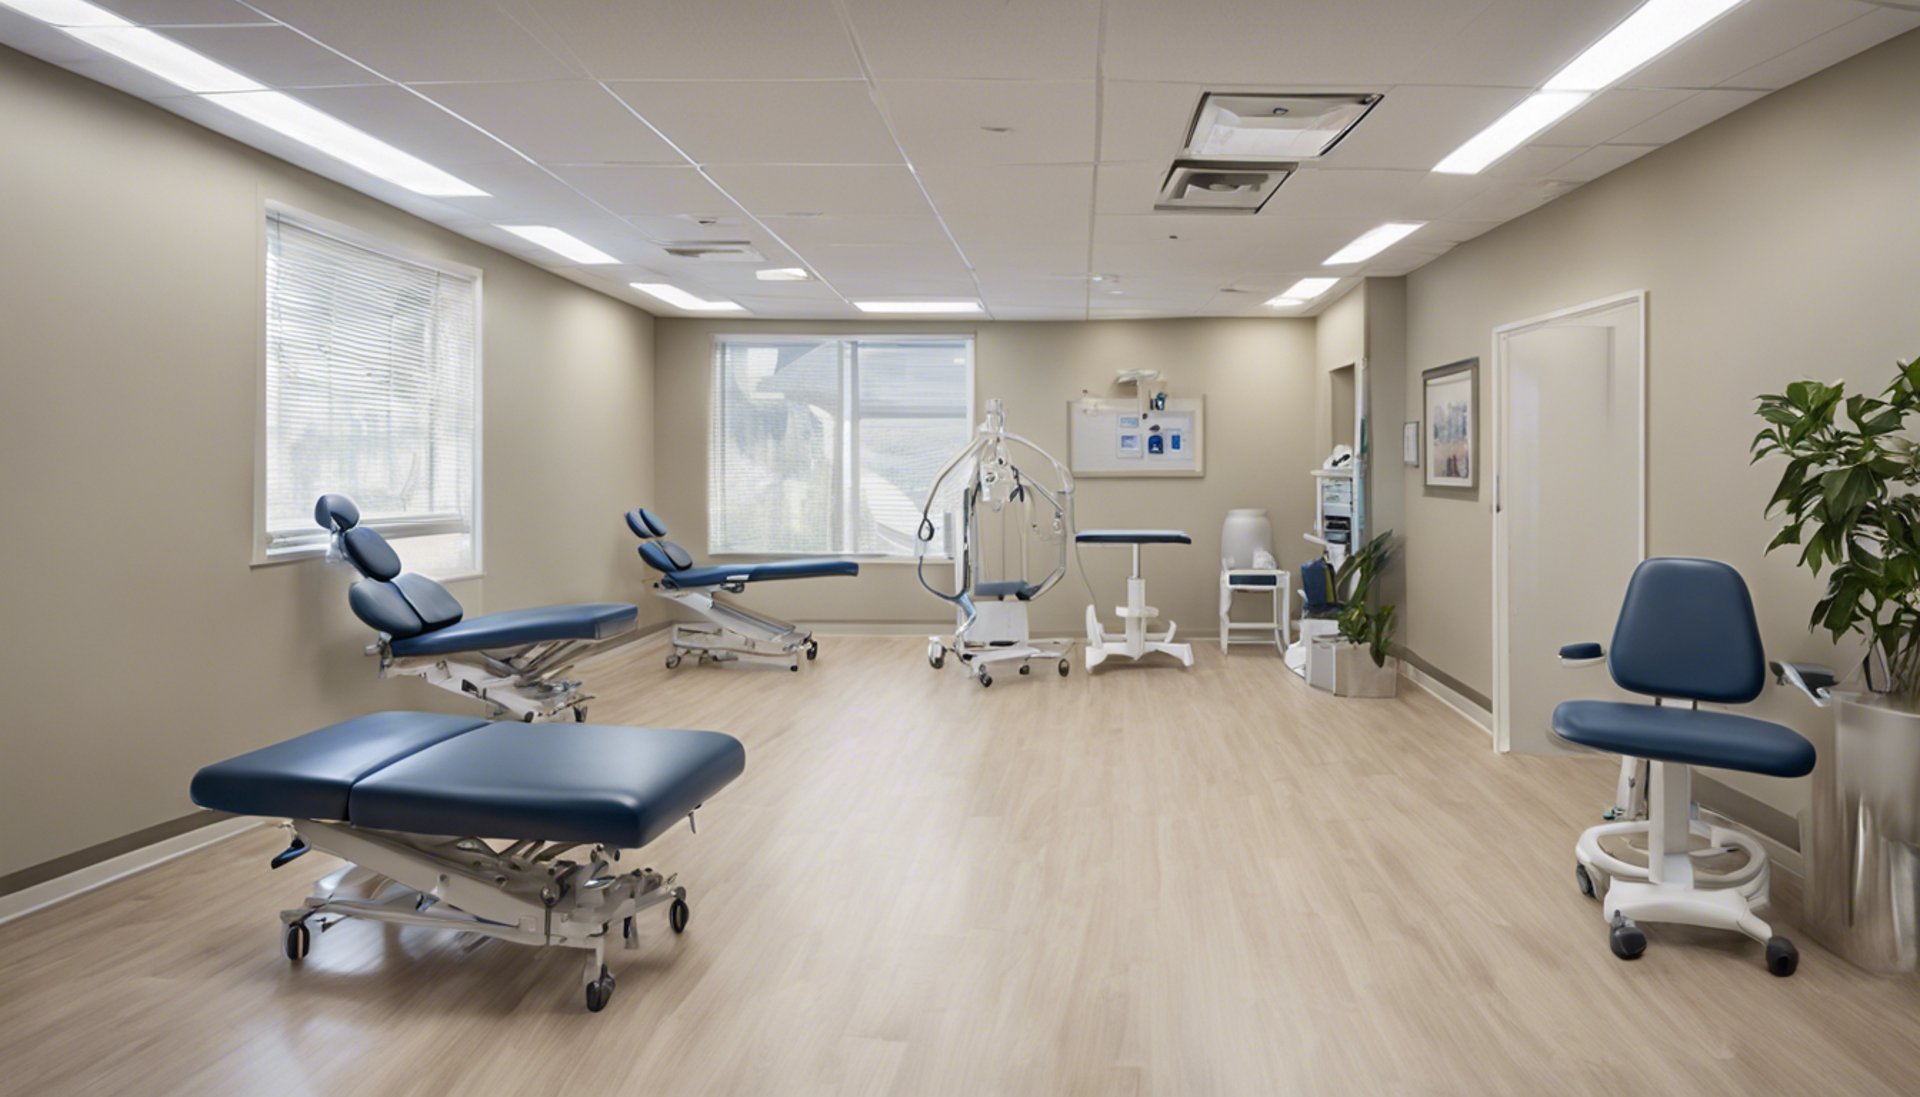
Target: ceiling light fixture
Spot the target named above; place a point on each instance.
(1657, 27)
(289, 116)
(1515, 128)
(1303, 291)
(1285, 302)
(681, 299)
(164, 57)
(782, 274)
(897, 307)
(67, 13)
(1374, 241)
(564, 244)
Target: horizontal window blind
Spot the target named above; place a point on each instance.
(372, 367)
(829, 445)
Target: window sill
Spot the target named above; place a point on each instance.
(319, 552)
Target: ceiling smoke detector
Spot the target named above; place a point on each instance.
(1267, 127)
(1220, 188)
(715, 251)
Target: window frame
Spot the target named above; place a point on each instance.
(398, 530)
(716, 348)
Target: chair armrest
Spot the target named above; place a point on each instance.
(1584, 654)
(1815, 681)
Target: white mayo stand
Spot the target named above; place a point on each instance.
(1134, 642)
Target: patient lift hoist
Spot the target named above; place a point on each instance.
(991, 617)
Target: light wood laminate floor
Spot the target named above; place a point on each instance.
(1151, 882)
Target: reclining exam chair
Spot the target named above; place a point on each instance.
(492, 829)
(510, 661)
(1686, 633)
(731, 632)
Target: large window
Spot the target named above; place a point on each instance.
(372, 390)
(828, 445)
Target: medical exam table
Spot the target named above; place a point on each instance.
(489, 828)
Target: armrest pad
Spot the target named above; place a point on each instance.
(1581, 654)
(1812, 679)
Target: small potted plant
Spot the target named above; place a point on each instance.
(1364, 665)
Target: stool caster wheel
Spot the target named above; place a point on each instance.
(1782, 958)
(1585, 879)
(297, 940)
(985, 678)
(600, 991)
(1025, 669)
(677, 915)
(813, 650)
(1627, 939)
(795, 668)
(936, 661)
(673, 660)
(1065, 667)
(579, 714)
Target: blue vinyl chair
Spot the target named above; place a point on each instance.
(1686, 633)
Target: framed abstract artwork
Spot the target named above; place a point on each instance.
(1452, 400)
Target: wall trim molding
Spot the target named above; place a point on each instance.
(1459, 702)
(40, 896)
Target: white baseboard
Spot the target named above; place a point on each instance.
(1448, 696)
(61, 888)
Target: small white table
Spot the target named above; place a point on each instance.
(1275, 581)
(1135, 641)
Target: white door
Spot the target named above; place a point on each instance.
(1569, 503)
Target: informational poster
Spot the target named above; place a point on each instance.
(1108, 437)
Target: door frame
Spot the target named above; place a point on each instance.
(1502, 377)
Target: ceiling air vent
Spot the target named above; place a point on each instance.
(1220, 188)
(715, 251)
(1269, 127)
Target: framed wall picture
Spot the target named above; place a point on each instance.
(1410, 443)
(1452, 439)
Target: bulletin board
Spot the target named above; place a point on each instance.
(1114, 438)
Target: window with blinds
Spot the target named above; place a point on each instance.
(828, 445)
(372, 386)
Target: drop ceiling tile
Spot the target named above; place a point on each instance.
(274, 55)
(785, 190)
(650, 189)
(1828, 49)
(1610, 113)
(558, 122)
(912, 284)
(1002, 41)
(763, 122)
(1517, 43)
(1504, 199)
(401, 118)
(1027, 260)
(1752, 33)
(1676, 122)
(161, 13)
(785, 307)
(707, 40)
(806, 234)
(1145, 121)
(1372, 194)
(849, 267)
(1414, 128)
(1012, 203)
(1226, 42)
(1130, 188)
(1534, 161)
(954, 121)
(520, 193)
(731, 225)
(424, 39)
(1600, 160)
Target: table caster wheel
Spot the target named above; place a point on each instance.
(673, 660)
(297, 940)
(937, 660)
(795, 668)
(1585, 879)
(1782, 958)
(813, 650)
(985, 678)
(1065, 667)
(1627, 939)
(579, 714)
(677, 915)
(1026, 669)
(600, 991)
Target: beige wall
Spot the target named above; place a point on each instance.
(1775, 244)
(1257, 376)
(138, 643)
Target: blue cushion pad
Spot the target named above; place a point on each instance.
(1006, 588)
(309, 777)
(1132, 537)
(1696, 738)
(1252, 579)
(712, 575)
(555, 782)
(591, 621)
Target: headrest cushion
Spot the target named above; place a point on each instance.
(645, 524)
(336, 513)
(370, 553)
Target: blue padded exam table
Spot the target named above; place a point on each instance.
(1133, 641)
(502, 829)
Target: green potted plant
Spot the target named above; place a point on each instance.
(1364, 665)
(1847, 498)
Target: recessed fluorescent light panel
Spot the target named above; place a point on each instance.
(66, 13)
(1285, 302)
(1230, 126)
(564, 244)
(293, 118)
(1196, 187)
(1657, 27)
(1303, 291)
(1515, 128)
(681, 299)
(1374, 241)
(897, 307)
(164, 57)
(782, 274)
